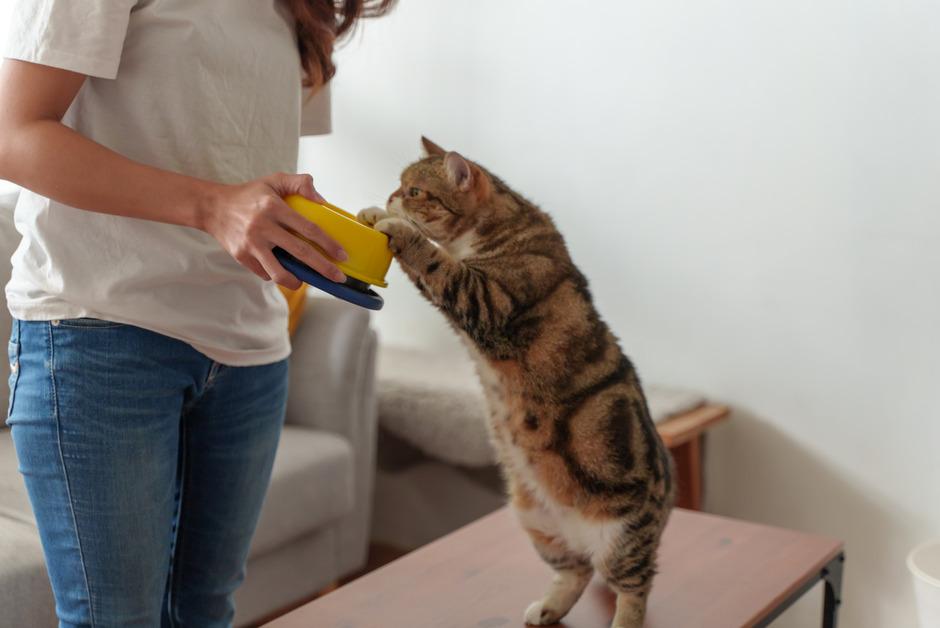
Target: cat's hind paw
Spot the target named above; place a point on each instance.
(371, 215)
(540, 613)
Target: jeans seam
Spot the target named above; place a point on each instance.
(68, 487)
(105, 325)
(177, 539)
(214, 371)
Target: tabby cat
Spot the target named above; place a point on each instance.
(588, 476)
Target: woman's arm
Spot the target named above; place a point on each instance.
(40, 153)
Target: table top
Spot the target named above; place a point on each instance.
(714, 573)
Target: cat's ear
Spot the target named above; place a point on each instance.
(458, 171)
(431, 148)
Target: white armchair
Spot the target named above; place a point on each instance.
(314, 528)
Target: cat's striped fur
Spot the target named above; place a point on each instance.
(590, 479)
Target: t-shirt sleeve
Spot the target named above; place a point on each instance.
(84, 36)
(315, 112)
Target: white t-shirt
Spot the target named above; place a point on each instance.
(207, 88)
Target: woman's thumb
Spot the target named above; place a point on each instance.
(301, 184)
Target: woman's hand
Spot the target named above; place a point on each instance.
(40, 153)
(250, 219)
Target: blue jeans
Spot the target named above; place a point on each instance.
(146, 465)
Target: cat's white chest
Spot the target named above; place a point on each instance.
(492, 384)
(463, 246)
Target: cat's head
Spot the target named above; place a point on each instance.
(448, 198)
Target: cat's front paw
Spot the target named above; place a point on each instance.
(371, 215)
(401, 233)
(540, 613)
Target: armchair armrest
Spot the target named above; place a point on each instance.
(331, 367)
(332, 388)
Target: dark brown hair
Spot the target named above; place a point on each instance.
(320, 23)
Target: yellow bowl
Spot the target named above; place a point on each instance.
(369, 256)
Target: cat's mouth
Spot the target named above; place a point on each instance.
(395, 208)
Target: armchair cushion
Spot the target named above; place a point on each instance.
(14, 502)
(25, 595)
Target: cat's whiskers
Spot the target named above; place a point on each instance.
(396, 209)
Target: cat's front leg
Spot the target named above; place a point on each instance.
(414, 252)
(462, 293)
(371, 215)
(404, 239)
(429, 267)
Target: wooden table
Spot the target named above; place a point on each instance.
(714, 573)
(684, 435)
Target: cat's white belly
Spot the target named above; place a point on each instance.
(585, 536)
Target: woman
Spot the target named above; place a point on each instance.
(149, 343)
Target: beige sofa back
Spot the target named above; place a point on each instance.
(9, 239)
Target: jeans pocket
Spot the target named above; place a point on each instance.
(88, 322)
(13, 354)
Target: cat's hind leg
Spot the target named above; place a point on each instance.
(631, 610)
(566, 588)
(629, 569)
(573, 570)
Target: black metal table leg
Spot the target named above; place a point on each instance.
(832, 576)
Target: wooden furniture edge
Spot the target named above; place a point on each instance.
(684, 427)
(805, 584)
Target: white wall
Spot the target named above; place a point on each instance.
(754, 190)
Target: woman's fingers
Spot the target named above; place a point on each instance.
(285, 184)
(308, 191)
(290, 219)
(277, 272)
(311, 231)
(255, 266)
(254, 219)
(309, 255)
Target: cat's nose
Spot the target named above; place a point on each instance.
(396, 194)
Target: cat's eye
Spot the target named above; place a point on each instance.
(414, 192)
